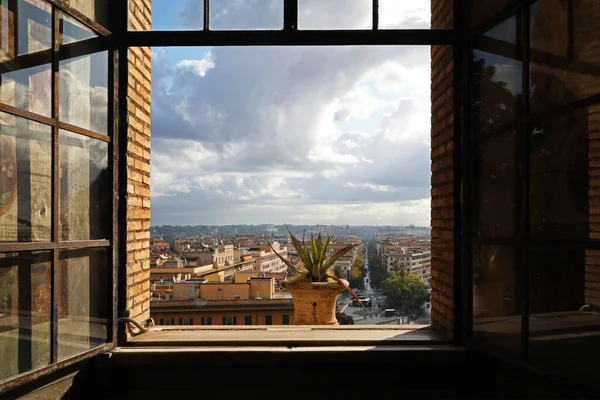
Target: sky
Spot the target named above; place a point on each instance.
(298, 135)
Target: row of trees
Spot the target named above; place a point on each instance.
(406, 292)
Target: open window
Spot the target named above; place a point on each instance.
(57, 152)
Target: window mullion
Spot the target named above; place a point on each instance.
(55, 184)
(290, 15)
(375, 15)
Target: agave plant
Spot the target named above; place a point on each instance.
(315, 265)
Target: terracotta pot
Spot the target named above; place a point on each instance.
(314, 302)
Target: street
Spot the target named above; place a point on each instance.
(374, 314)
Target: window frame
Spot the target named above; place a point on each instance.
(522, 242)
(56, 53)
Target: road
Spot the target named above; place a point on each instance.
(374, 314)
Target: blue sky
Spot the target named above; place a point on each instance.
(329, 135)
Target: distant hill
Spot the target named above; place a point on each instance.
(341, 230)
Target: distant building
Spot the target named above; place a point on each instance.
(265, 260)
(201, 302)
(220, 255)
(415, 260)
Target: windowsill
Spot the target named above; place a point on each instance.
(288, 336)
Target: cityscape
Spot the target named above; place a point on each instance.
(233, 274)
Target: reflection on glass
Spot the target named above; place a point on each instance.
(85, 208)
(496, 316)
(414, 14)
(548, 27)
(506, 31)
(496, 90)
(559, 176)
(480, 10)
(25, 84)
(249, 14)
(72, 31)
(96, 10)
(335, 14)
(84, 92)
(82, 300)
(170, 15)
(557, 77)
(563, 328)
(586, 33)
(25, 180)
(35, 33)
(495, 180)
(24, 312)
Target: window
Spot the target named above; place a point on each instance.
(206, 321)
(268, 320)
(166, 321)
(285, 319)
(534, 233)
(248, 320)
(229, 320)
(56, 208)
(186, 321)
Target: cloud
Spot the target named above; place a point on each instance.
(274, 134)
(198, 67)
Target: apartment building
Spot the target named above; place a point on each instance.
(202, 254)
(265, 260)
(202, 302)
(414, 260)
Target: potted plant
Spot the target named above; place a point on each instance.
(314, 288)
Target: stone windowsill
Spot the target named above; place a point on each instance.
(287, 336)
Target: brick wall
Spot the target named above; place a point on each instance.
(442, 146)
(138, 168)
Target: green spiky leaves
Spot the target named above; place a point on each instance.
(314, 264)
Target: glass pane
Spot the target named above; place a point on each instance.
(481, 10)
(496, 90)
(548, 27)
(335, 14)
(248, 14)
(586, 33)
(506, 31)
(25, 83)
(25, 180)
(560, 176)
(401, 14)
(72, 31)
(170, 15)
(557, 76)
(82, 301)
(84, 92)
(496, 304)
(24, 312)
(34, 26)
(96, 10)
(85, 206)
(495, 179)
(563, 334)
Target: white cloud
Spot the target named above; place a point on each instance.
(304, 134)
(199, 67)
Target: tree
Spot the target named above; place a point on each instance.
(344, 319)
(406, 291)
(377, 273)
(339, 272)
(493, 102)
(7, 287)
